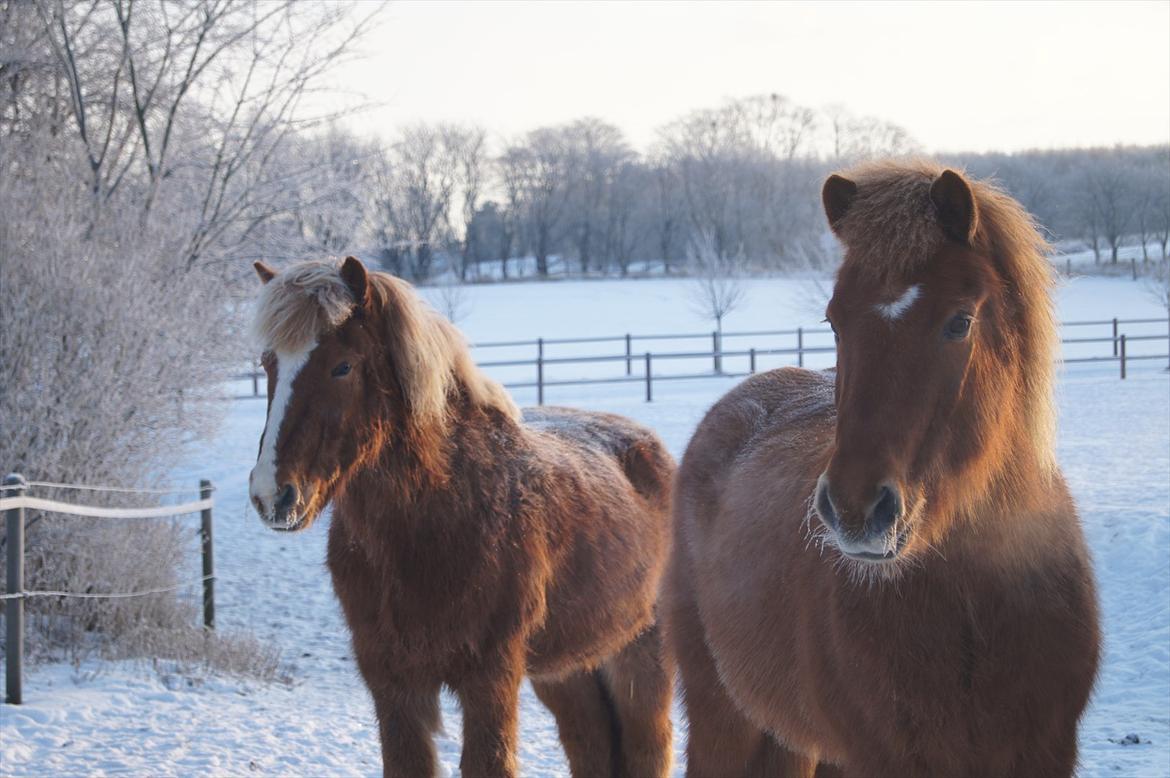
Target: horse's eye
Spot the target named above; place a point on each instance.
(340, 370)
(958, 327)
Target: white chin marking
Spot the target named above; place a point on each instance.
(263, 481)
(894, 310)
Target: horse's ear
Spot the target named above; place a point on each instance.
(353, 273)
(837, 195)
(954, 202)
(265, 272)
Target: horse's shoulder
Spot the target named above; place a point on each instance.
(779, 421)
(776, 402)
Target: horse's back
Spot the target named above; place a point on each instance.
(638, 451)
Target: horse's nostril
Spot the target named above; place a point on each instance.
(825, 507)
(885, 511)
(286, 499)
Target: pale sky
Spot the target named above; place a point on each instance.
(957, 76)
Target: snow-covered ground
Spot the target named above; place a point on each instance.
(128, 718)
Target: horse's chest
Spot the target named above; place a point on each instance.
(431, 597)
(925, 666)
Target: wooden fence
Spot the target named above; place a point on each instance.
(638, 362)
(13, 502)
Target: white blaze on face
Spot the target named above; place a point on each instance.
(262, 484)
(894, 310)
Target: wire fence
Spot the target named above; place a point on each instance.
(14, 501)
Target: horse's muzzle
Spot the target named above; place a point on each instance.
(284, 514)
(879, 538)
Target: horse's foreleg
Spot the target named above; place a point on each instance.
(640, 684)
(721, 742)
(491, 699)
(407, 719)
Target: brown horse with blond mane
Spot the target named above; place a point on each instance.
(469, 545)
(879, 571)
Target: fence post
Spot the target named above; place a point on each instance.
(649, 395)
(256, 380)
(751, 360)
(1115, 336)
(207, 537)
(540, 371)
(1123, 357)
(800, 346)
(540, 380)
(629, 356)
(14, 608)
(1068, 268)
(715, 352)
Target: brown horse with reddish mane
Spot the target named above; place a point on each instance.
(880, 571)
(469, 545)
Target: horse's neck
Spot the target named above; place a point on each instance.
(1026, 523)
(404, 482)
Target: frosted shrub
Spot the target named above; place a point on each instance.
(111, 356)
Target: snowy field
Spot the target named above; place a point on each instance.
(128, 718)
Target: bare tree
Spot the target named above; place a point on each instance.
(220, 80)
(1161, 211)
(1151, 184)
(626, 224)
(468, 145)
(717, 288)
(450, 299)
(414, 195)
(666, 209)
(1158, 288)
(703, 154)
(595, 151)
(329, 197)
(772, 125)
(539, 168)
(849, 138)
(1109, 194)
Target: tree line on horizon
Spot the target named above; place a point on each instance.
(742, 180)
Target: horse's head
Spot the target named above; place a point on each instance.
(356, 362)
(321, 357)
(940, 312)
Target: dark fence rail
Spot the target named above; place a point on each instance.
(639, 362)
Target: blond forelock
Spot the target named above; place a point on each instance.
(300, 304)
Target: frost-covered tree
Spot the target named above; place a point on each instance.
(717, 288)
(414, 192)
(538, 167)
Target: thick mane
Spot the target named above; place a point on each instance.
(1010, 235)
(431, 359)
(430, 355)
(891, 228)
